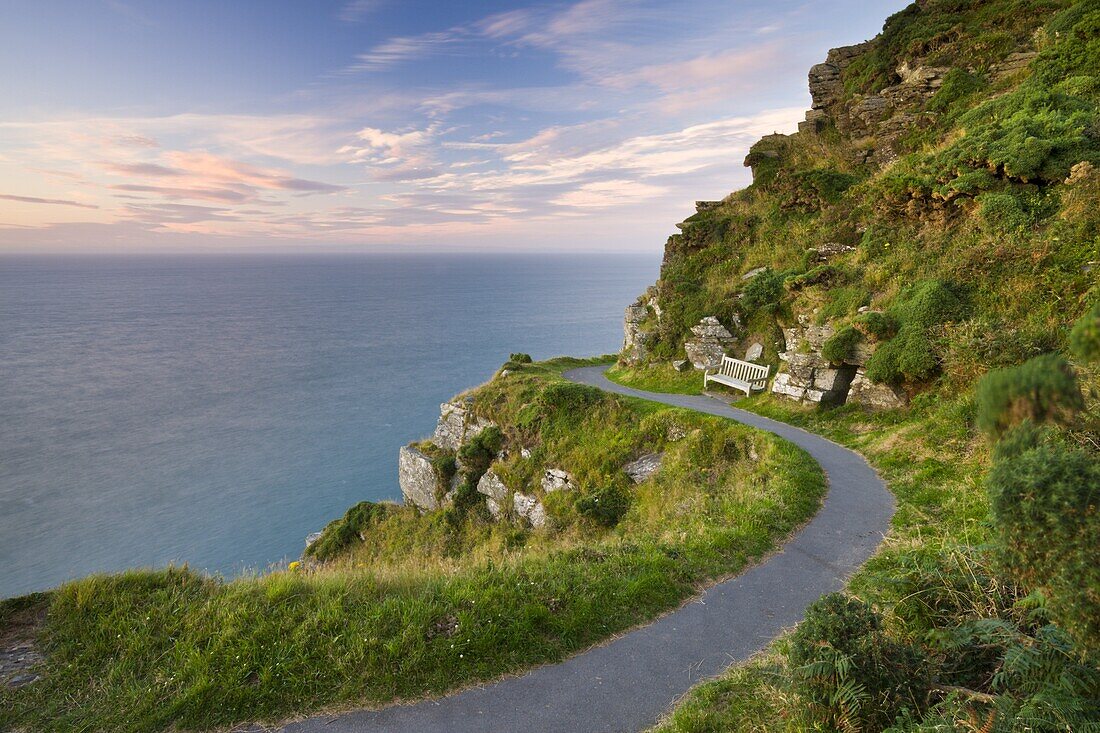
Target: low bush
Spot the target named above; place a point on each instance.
(879, 326)
(839, 347)
(1045, 503)
(911, 355)
(520, 358)
(605, 505)
(763, 293)
(1084, 339)
(1043, 389)
(848, 672)
(340, 534)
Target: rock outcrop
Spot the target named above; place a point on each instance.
(528, 506)
(418, 478)
(810, 377)
(642, 468)
(710, 343)
(457, 424)
(634, 336)
(877, 396)
(495, 492)
(555, 479)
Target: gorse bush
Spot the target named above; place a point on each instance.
(1045, 502)
(605, 505)
(520, 358)
(1043, 389)
(849, 673)
(879, 326)
(341, 533)
(1084, 339)
(763, 292)
(911, 355)
(840, 346)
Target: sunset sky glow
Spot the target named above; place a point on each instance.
(381, 124)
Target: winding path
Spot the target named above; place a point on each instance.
(627, 684)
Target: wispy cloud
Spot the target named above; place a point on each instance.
(37, 200)
(355, 11)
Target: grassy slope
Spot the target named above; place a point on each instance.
(429, 603)
(989, 200)
(934, 466)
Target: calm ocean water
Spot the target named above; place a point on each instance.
(215, 410)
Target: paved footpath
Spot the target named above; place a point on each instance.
(627, 684)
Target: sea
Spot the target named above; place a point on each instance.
(214, 410)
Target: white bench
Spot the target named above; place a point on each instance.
(742, 375)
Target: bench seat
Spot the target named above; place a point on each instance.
(741, 375)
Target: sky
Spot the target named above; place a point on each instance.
(360, 125)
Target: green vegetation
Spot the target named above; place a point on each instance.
(658, 377)
(1043, 389)
(976, 253)
(849, 673)
(391, 603)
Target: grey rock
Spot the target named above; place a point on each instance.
(754, 352)
(313, 537)
(418, 479)
(782, 385)
(753, 273)
(530, 508)
(710, 344)
(555, 479)
(833, 380)
(457, 425)
(642, 468)
(876, 396)
(681, 365)
(635, 337)
(495, 492)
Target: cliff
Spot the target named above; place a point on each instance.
(927, 222)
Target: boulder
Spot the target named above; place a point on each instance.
(642, 468)
(783, 385)
(681, 365)
(710, 344)
(555, 479)
(495, 492)
(877, 396)
(754, 352)
(530, 508)
(312, 537)
(418, 479)
(634, 337)
(457, 425)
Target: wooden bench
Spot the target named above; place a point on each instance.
(742, 375)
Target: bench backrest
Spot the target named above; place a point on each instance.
(743, 371)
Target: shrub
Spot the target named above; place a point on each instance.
(520, 358)
(1046, 510)
(911, 354)
(763, 293)
(339, 534)
(839, 347)
(567, 397)
(1002, 212)
(1043, 389)
(478, 452)
(605, 505)
(820, 275)
(877, 325)
(1084, 339)
(849, 673)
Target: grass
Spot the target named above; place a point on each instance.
(424, 604)
(658, 377)
(934, 466)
